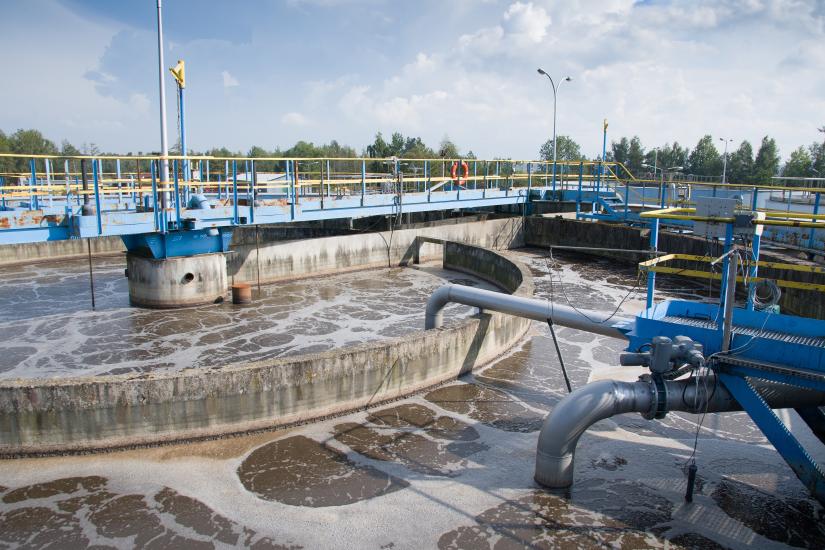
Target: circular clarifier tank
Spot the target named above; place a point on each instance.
(51, 330)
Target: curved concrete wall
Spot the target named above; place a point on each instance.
(282, 260)
(41, 416)
(176, 282)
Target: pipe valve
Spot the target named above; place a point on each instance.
(666, 355)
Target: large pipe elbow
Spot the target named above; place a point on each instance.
(596, 401)
(575, 413)
(435, 305)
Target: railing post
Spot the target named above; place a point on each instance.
(95, 180)
(363, 181)
(725, 282)
(155, 212)
(202, 175)
(663, 193)
(651, 275)
(250, 192)
(34, 204)
(47, 163)
(626, 198)
(811, 241)
(428, 179)
(119, 184)
(68, 184)
(177, 197)
(329, 182)
(579, 194)
(293, 196)
(755, 198)
(754, 270)
(475, 174)
(529, 177)
(235, 217)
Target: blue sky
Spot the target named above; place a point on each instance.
(268, 73)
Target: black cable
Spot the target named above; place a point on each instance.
(561, 359)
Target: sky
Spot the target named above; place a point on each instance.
(270, 73)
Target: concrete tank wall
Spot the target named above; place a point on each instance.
(176, 282)
(290, 259)
(61, 415)
(26, 253)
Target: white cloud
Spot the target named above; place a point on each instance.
(294, 119)
(526, 23)
(229, 81)
(522, 26)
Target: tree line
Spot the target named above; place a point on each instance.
(704, 161)
(32, 141)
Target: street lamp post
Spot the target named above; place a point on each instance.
(555, 92)
(164, 149)
(725, 161)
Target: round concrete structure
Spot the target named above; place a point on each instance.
(176, 282)
(87, 413)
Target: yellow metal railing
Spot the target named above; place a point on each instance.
(655, 265)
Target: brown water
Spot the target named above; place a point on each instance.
(49, 329)
(450, 468)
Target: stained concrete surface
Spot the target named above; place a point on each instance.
(449, 468)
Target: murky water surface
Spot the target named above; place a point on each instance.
(450, 468)
(50, 330)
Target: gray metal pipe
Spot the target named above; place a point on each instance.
(530, 308)
(600, 400)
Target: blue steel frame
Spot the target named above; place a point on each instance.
(754, 356)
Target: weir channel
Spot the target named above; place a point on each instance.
(448, 467)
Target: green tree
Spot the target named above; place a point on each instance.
(379, 148)
(5, 163)
(635, 155)
(619, 151)
(799, 164)
(567, 149)
(817, 152)
(667, 156)
(396, 144)
(740, 164)
(447, 149)
(24, 142)
(68, 150)
(705, 160)
(766, 163)
(415, 148)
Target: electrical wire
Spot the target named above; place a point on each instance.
(570, 303)
(561, 359)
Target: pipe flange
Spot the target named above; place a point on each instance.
(658, 407)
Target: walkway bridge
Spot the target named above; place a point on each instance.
(189, 220)
(47, 198)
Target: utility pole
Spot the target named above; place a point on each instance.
(164, 147)
(725, 161)
(555, 93)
